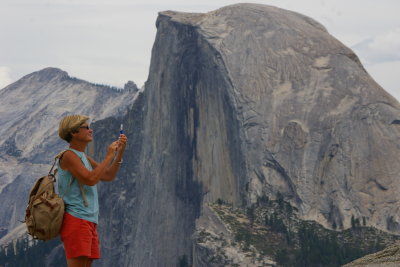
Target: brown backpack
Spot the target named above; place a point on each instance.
(45, 210)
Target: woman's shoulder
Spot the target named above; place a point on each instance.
(68, 157)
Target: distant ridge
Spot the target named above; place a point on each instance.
(30, 111)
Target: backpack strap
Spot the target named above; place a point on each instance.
(57, 157)
(85, 202)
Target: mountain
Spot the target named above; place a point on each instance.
(30, 110)
(258, 136)
(245, 102)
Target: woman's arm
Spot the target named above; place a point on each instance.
(92, 162)
(72, 163)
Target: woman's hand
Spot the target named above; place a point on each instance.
(117, 148)
(112, 148)
(122, 142)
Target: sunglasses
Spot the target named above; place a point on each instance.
(85, 127)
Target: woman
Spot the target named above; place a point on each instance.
(78, 175)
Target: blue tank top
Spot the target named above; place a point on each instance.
(68, 189)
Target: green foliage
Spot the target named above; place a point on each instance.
(321, 251)
(279, 199)
(183, 261)
(250, 214)
(263, 199)
(276, 224)
(317, 246)
(281, 257)
(243, 235)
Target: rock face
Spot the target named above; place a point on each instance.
(389, 257)
(277, 104)
(30, 111)
(246, 101)
(130, 85)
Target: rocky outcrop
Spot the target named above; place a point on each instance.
(130, 85)
(389, 257)
(250, 101)
(217, 244)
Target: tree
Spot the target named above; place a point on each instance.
(250, 214)
(267, 220)
(264, 199)
(280, 200)
(281, 257)
(353, 222)
(183, 261)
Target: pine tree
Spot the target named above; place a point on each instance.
(353, 222)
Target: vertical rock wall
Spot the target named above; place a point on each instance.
(242, 102)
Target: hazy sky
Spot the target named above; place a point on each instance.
(110, 41)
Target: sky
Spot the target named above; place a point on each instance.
(110, 41)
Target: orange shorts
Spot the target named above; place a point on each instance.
(80, 238)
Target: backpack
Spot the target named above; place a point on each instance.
(45, 211)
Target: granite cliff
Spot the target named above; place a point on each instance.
(244, 102)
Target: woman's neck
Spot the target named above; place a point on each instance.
(78, 146)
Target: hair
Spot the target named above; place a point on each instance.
(70, 124)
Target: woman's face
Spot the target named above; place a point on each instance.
(85, 133)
